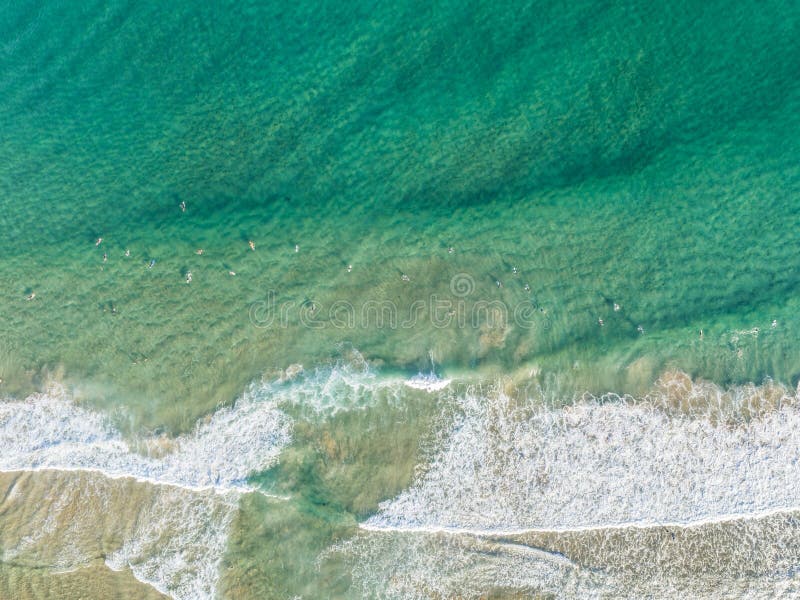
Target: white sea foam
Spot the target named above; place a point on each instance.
(507, 467)
(601, 477)
(48, 431)
(429, 383)
(171, 538)
(179, 541)
(344, 387)
(181, 533)
(180, 536)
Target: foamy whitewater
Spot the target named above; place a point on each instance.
(499, 475)
(610, 480)
(49, 432)
(198, 478)
(429, 383)
(510, 467)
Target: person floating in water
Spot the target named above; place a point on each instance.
(297, 247)
(127, 252)
(30, 296)
(232, 273)
(617, 307)
(182, 206)
(600, 322)
(105, 256)
(199, 251)
(152, 263)
(405, 277)
(349, 268)
(98, 242)
(252, 245)
(188, 277)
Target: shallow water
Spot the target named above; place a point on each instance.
(575, 225)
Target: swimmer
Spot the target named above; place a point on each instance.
(600, 322)
(774, 323)
(188, 277)
(498, 283)
(232, 273)
(252, 245)
(617, 307)
(98, 242)
(182, 206)
(640, 329)
(105, 257)
(450, 250)
(527, 288)
(405, 277)
(701, 334)
(30, 296)
(297, 247)
(514, 270)
(152, 263)
(349, 268)
(127, 253)
(199, 251)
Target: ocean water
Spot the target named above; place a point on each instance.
(409, 300)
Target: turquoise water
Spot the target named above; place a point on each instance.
(533, 201)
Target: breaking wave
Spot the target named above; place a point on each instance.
(690, 490)
(187, 487)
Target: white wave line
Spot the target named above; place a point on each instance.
(221, 490)
(642, 524)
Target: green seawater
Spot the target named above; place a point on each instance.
(539, 199)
